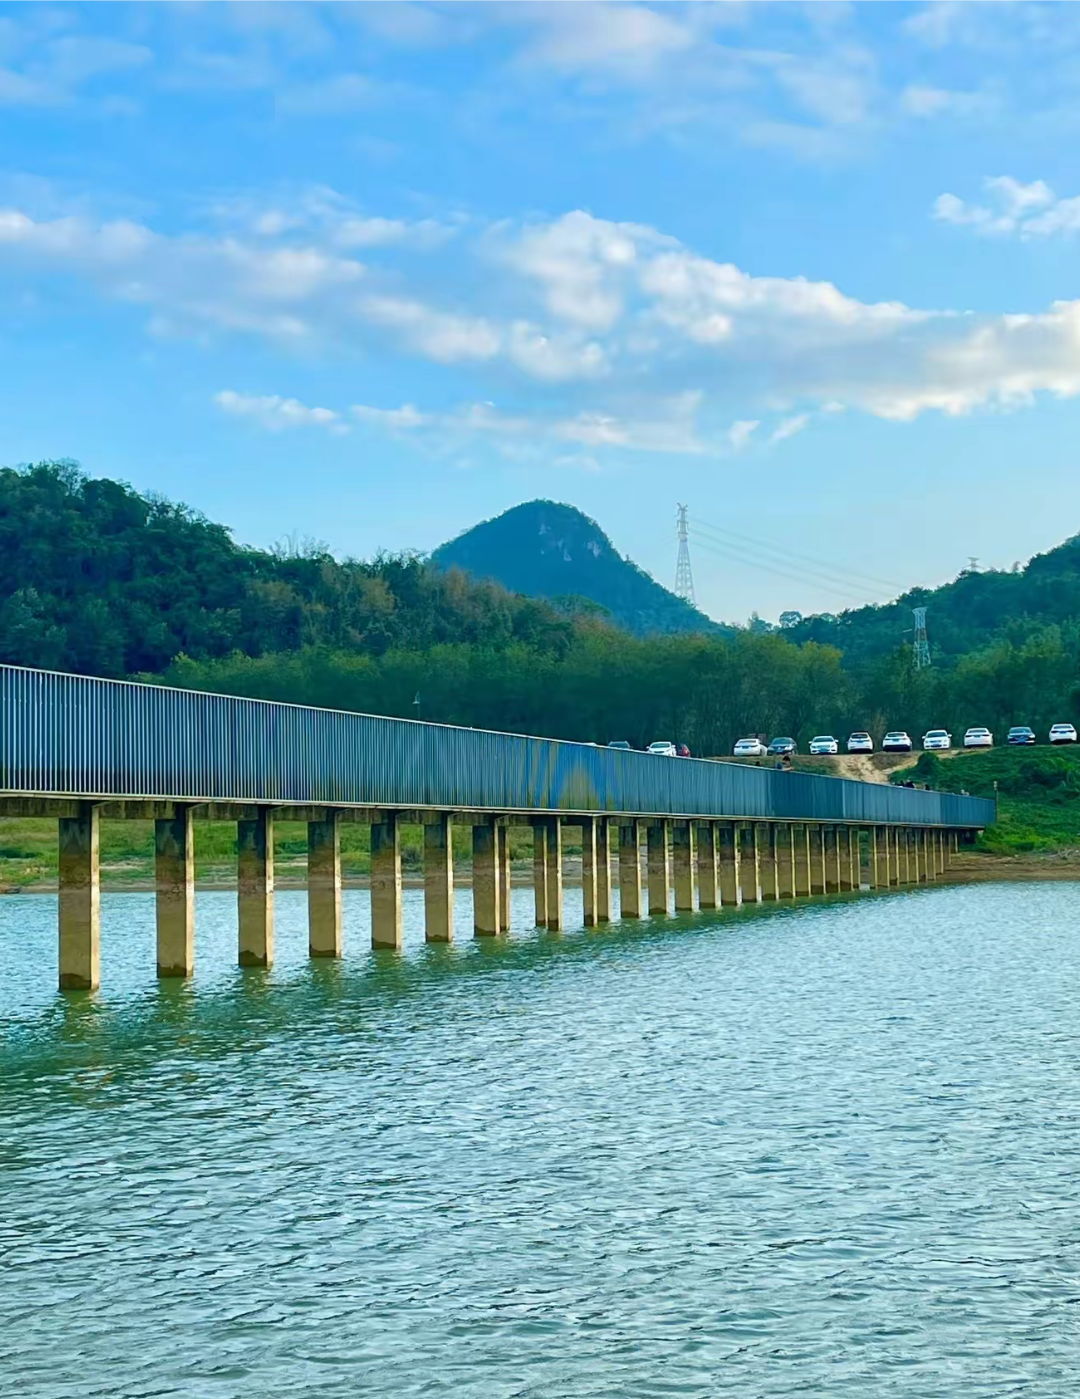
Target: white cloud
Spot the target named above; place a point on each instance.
(1028, 210)
(277, 414)
(403, 419)
(629, 39)
(789, 427)
(439, 335)
(740, 432)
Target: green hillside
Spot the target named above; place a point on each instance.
(554, 551)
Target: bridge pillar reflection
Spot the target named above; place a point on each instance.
(683, 853)
(439, 879)
(255, 889)
(630, 901)
(174, 887)
(80, 901)
(324, 886)
(659, 866)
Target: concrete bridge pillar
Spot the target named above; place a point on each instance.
(659, 850)
(816, 835)
(878, 859)
(800, 858)
(898, 875)
(750, 863)
(855, 840)
(174, 887)
(630, 901)
(708, 868)
(941, 847)
(727, 835)
(554, 874)
(255, 889)
(767, 864)
(386, 883)
(918, 851)
(603, 870)
(785, 860)
(540, 869)
(502, 841)
(588, 870)
(832, 860)
(485, 880)
(324, 886)
(683, 857)
(439, 879)
(80, 901)
(843, 858)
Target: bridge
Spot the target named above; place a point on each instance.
(81, 750)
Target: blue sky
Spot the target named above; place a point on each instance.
(371, 272)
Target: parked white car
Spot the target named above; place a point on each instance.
(1063, 733)
(860, 743)
(824, 743)
(978, 738)
(936, 739)
(749, 748)
(664, 747)
(896, 742)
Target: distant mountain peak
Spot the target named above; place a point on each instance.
(546, 549)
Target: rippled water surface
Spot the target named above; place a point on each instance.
(824, 1150)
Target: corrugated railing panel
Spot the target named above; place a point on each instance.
(68, 735)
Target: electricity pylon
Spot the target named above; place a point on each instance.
(920, 646)
(684, 578)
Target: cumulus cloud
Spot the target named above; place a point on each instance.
(276, 414)
(740, 432)
(1027, 210)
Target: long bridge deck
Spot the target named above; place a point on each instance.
(81, 749)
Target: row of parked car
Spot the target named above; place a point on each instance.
(897, 741)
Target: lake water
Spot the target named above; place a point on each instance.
(826, 1150)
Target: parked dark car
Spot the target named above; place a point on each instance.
(779, 746)
(1020, 734)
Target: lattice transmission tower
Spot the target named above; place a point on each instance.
(920, 646)
(684, 577)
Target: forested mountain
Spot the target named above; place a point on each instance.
(976, 608)
(554, 551)
(98, 579)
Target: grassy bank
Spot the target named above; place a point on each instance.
(1038, 792)
(28, 851)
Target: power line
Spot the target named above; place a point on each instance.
(842, 571)
(684, 578)
(728, 552)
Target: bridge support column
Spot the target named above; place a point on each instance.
(878, 859)
(843, 858)
(770, 872)
(439, 879)
(855, 840)
(174, 889)
(659, 848)
(324, 886)
(800, 856)
(918, 852)
(750, 871)
(386, 883)
(832, 860)
(785, 860)
(554, 875)
(485, 880)
(630, 902)
(502, 838)
(683, 852)
(588, 870)
(603, 870)
(727, 834)
(80, 901)
(817, 859)
(708, 869)
(899, 869)
(540, 869)
(255, 889)
(941, 845)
